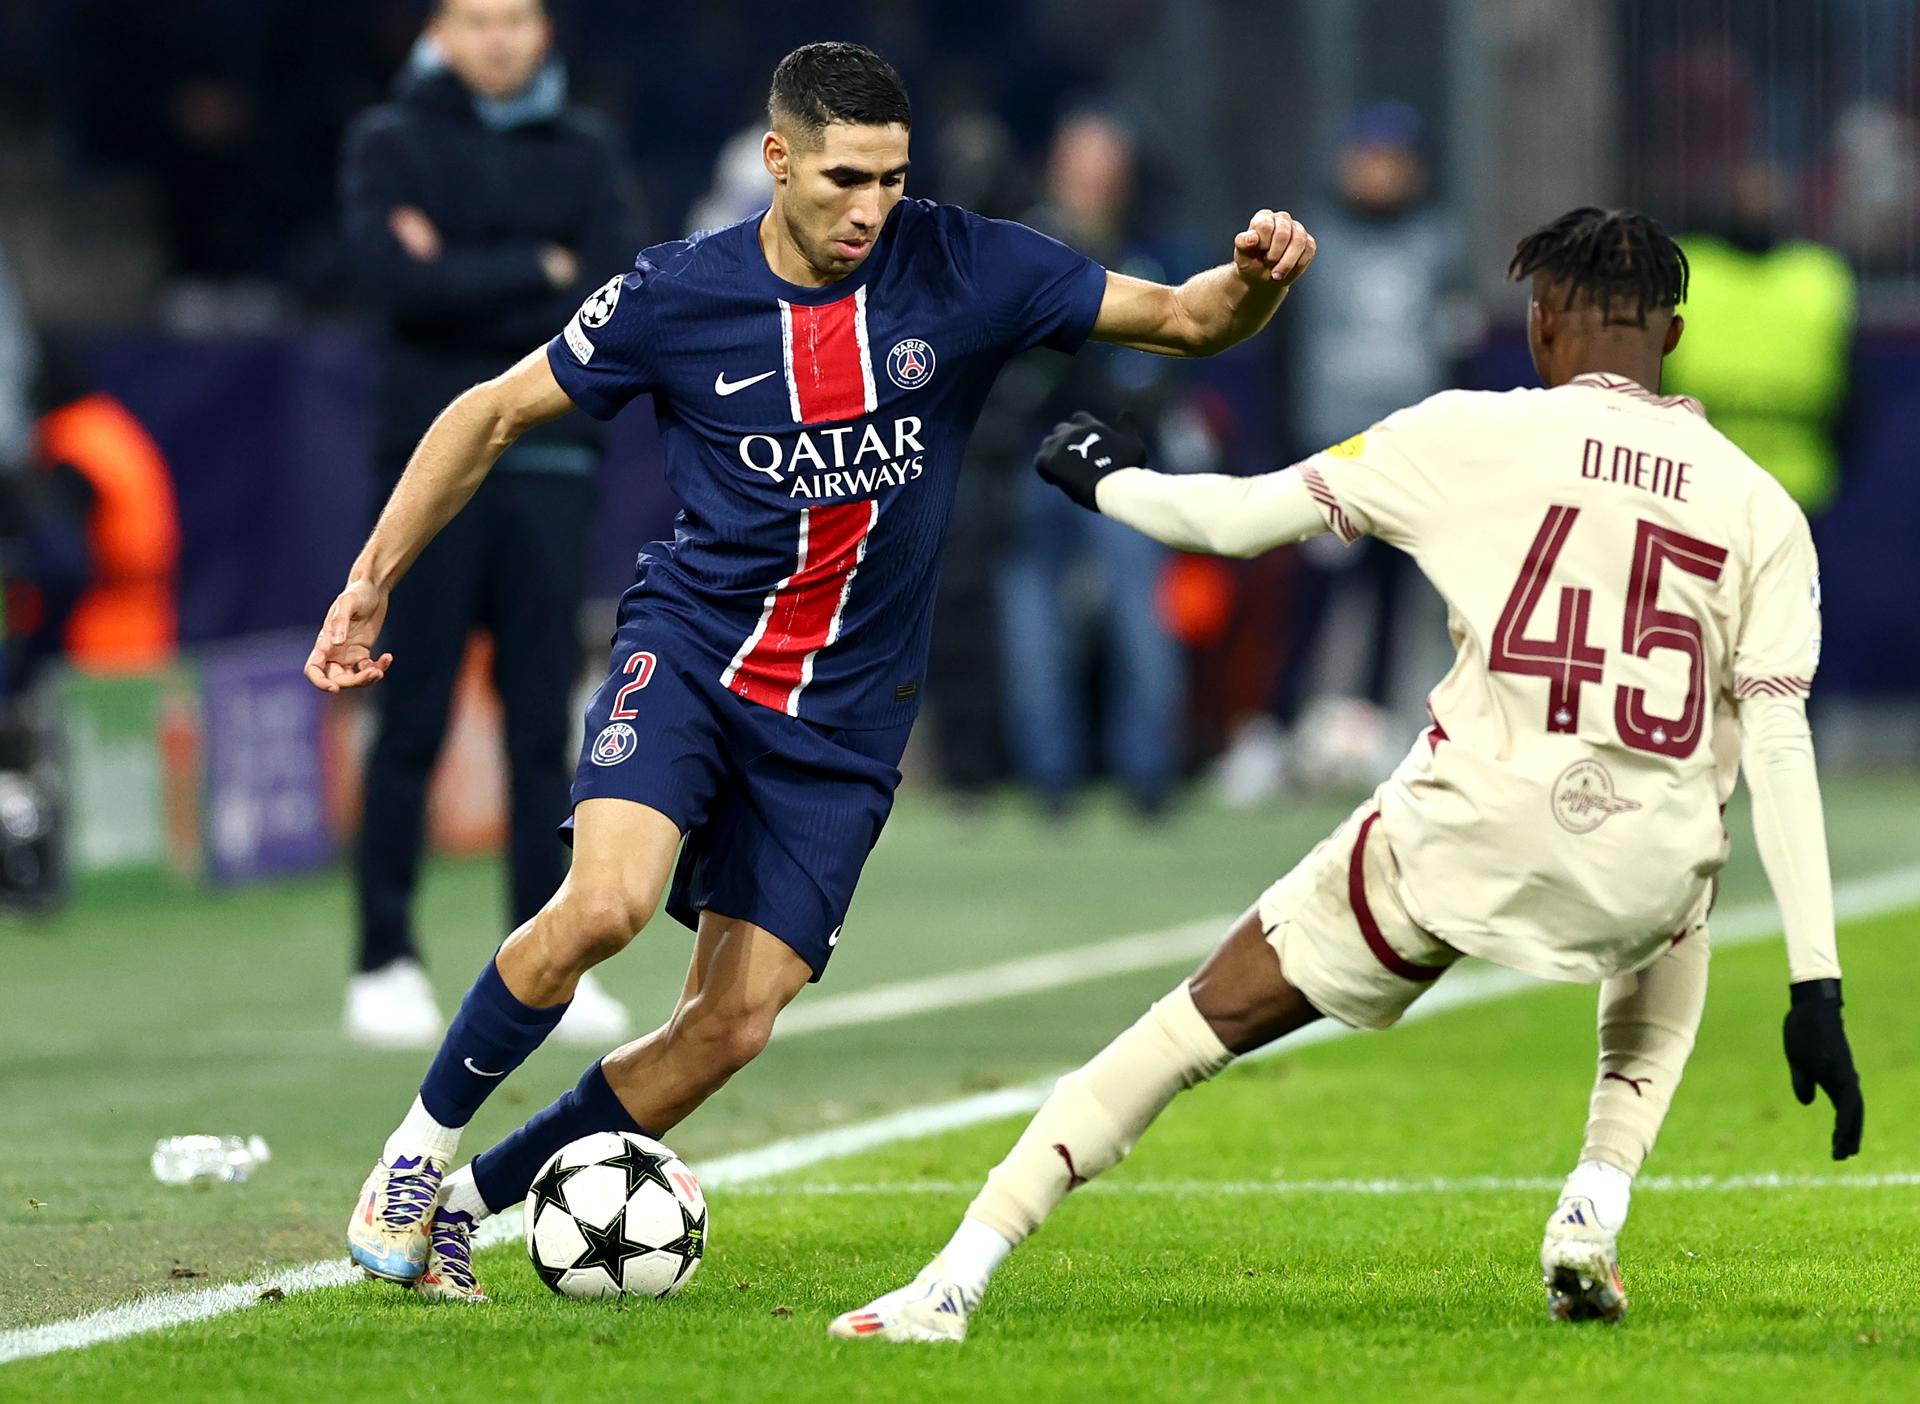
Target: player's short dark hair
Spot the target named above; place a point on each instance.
(1620, 261)
(818, 84)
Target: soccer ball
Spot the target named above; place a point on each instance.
(615, 1214)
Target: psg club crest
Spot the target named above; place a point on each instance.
(910, 364)
(614, 744)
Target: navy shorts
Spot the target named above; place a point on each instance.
(779, 813)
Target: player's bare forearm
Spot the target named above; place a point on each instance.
(1215, 309)
(1225, 308)
(449, 465)
(452, 460)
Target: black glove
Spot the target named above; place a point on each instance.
(1818, 1055)
(1082, 451)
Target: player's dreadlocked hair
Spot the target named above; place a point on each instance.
(821, 83)
(1621, 261)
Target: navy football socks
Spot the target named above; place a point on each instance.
(504, 1174)
(491, 1036)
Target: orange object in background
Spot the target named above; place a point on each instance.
(129, 618)
(1195, 596)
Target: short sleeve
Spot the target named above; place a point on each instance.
(1777, 649)
(1037, 291)
(604, 355)
(1374, 484)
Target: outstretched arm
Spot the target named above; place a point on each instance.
(1096, 464)
(1788, 829)
(1211, 512)
(1215, 309)
(447, 467)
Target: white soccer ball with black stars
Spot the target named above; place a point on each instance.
(616, 1215)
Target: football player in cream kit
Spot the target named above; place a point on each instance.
(1634, 605)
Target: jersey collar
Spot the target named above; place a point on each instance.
(1621, 384)
(757, 271)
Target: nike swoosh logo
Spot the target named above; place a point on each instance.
(724, 387)
(479, 1072)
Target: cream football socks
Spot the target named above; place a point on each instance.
(1647, 1025)
(1087, 1125)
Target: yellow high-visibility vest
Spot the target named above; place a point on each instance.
(1766, 350)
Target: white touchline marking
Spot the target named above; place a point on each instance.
(1071, 965)
(171, 1309)
(1475, 984)
(1153, 950)
(1434, 1184)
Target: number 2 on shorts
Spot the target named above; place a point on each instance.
(641, 667)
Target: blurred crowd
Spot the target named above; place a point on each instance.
(179, 165)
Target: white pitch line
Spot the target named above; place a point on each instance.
(1157, 949)
(156, 1313)
(1428, 1184)
(1476, 984)
(1072, 965)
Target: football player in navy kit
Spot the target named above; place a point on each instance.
(815, 372)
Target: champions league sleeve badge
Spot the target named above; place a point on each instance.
(597, 310)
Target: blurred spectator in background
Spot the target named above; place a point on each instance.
(741, 185)
(1769, 343)
(1064, 563)
(1384, 322)
(102, 463)
(966, 718)
(93, 536)
(479, 209)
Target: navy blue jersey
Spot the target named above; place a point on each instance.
(814, 436)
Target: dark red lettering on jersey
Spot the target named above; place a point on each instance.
(1569, 661)
(1636, 468)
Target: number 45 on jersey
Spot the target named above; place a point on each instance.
(1569, 661)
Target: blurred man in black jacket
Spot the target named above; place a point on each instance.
(471, 203)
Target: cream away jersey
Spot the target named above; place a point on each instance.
(1616, 575)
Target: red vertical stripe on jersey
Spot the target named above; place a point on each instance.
(826, 371)
(802, 615)
(829, 372)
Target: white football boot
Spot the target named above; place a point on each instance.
(449, 1275)
(595, 1019)
(388, 1233)
(930, 1308)
(1580, 1264)
(393, 1007)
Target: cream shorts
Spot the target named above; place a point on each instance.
(1343, 937)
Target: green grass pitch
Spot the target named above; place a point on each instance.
(1218, 1262)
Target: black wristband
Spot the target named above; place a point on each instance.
(1812, 991)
